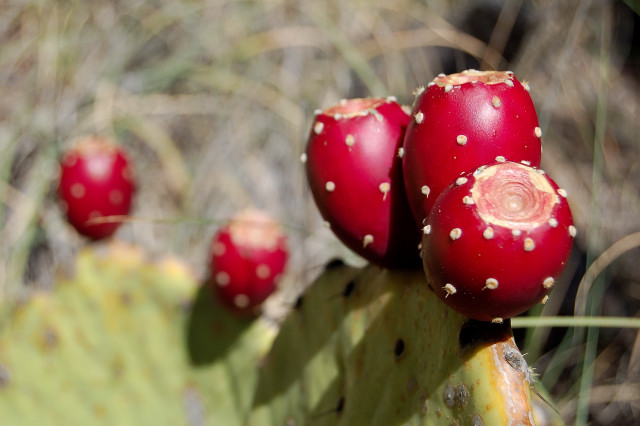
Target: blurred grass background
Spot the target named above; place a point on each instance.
(214, 99)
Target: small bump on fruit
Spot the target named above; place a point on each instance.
(384, 187)
(488, 233)
(573, 231)
(491, 283)
(529, 244)
(263, 271)
(450, 289)
(548, 282)
(222, 278)
(538, 132)
(241, 301)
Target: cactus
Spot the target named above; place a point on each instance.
(377, 347)
(126, 341)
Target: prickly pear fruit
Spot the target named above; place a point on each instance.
(108, 346)
(376, 347)
(248, 256)
(354, 172)
(460, 122)
(96, 180)
(497, 240)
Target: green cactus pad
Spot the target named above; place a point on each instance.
(126, 342)
(376, 347)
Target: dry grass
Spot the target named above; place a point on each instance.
(214, 99)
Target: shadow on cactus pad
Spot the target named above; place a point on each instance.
(211, 328)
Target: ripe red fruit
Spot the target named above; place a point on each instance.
(460, 122)
(354, 172)
(497, 240)
(248, 256)
(96, 180)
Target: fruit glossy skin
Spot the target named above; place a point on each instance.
(96, 180)
(460, 122)
(248, 257)
(497, 240)
(354, 171)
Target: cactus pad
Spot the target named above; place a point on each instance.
(126, 341)
(376, 347)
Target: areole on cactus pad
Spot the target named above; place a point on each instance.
(354, 171)
(497, 240)
(460, 122)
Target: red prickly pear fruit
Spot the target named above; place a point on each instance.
(497, 240)
(96, 180)
(460, 122)
(354, 169)
(248, 257)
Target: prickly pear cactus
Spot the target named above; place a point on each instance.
(127, 342)
(376, 347)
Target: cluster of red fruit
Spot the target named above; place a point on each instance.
(96, 188)
(458, 171)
